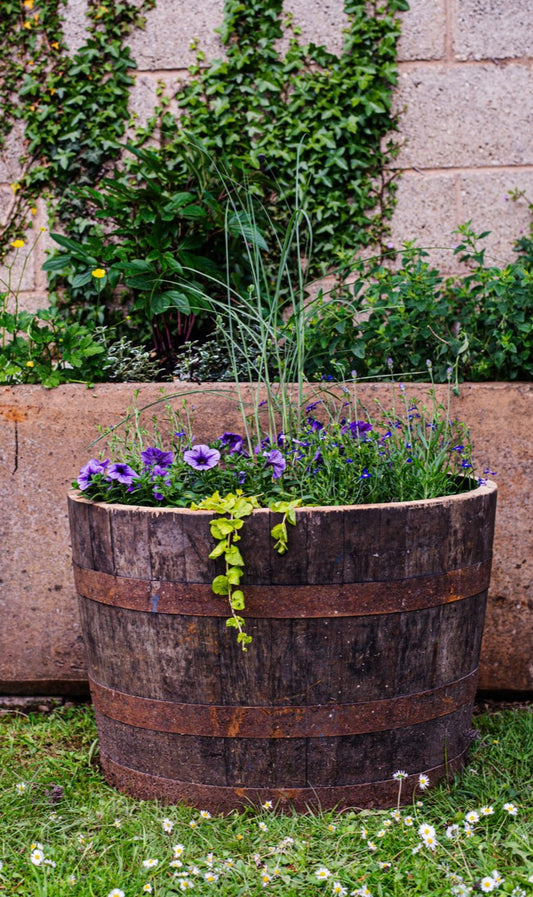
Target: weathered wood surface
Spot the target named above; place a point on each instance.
(364, 660)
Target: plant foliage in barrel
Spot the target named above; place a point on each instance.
(292, 612)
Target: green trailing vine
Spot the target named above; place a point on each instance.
(232, 509)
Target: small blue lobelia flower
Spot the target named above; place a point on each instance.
(122, 473)
(89, 470)
(278, 462)
(201, 457)
(154, 456)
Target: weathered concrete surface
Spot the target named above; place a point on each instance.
(43, 441)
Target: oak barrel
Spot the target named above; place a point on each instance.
(364, 660)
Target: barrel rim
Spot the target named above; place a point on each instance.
(487, 488)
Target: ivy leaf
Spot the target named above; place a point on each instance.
(237, 600)
(220, 585)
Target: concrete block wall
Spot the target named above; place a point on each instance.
(465, 94)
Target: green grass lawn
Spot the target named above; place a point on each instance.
(64, 831)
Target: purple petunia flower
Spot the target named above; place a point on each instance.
(153, 456)
(278, 462)
(201, 457)
(231, 441)
(357, 428)
(89, 470)
(122, 473)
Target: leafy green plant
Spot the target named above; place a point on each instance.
(41, 347)
(158, 221)
(494, 309)
(476, 326)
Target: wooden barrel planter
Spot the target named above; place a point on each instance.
(364, 660)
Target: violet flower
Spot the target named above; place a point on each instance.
(231, 441)
(277, 461)
(89, 470)
(201, 457)
(122, 473)
(154, 456)
(357, 428)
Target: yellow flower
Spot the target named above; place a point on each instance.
(98, 273)
(42, 229)
(15, 187)
(17, 244)
(27, 25)
(34, 210)
(28, 4)
(55, 45)
(30, 364)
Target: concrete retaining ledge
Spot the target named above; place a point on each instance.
(44, 436)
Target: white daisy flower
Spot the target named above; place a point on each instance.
(472, 817)
(322, 874)
(399, 775)
(116, 892)
(487, 884)
(423, 781)
(486, 811)
(168, 825)
(512, 809)
(150, 863)
(426, 831)
(338, 889)
(37, 856)
(430, 841)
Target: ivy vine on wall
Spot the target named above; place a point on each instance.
(332, 112)
(255, 104)
(74, 109)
